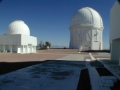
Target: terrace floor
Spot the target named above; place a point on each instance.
(58, 69)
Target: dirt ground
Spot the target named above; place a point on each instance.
(11, 61)
(41, 55)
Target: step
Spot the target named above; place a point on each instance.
(105, 88)
(113, 78)
(107, 83)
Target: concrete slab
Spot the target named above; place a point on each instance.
(51, 75)
(112, 68)
(107, 83)
(105, 88)
(113, 78)
(92, 58)
(73, 57)
(94, 78)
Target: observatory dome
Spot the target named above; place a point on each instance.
(18, 27)
(86, 17)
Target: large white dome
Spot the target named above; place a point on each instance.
(18, 27)
(86, 17)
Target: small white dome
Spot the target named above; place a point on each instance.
(86, 17)
(18, 27)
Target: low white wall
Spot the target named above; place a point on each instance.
(115, 50)
(115, 32)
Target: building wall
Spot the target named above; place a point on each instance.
(115, 32)
(115, 21)
(10, 39)
(86, 38)
(28, 40)
(18, 43)
(80, 38)
(97, 39)
(115, 50)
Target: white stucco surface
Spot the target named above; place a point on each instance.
(115, 21)
(115, 32)
(18, 27)
(86, 30)
(17, 39)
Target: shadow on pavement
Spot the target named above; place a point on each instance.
(84, 80)
(6, 67)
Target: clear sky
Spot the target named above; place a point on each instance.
(49, 20)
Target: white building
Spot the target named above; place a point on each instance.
(17, 39)
(115, 31)
(86, 30)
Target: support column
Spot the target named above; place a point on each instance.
(101, 40)
(0, 48)
(3, 48)
(18, 49)
(34, 49)
(30, 48)
(22, 49)
(10, 48)
(26, 49)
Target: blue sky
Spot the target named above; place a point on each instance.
(49, 20)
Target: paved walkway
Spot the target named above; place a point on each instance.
(93, 74)
(73, 57)
(59, 74)
(47, 75)
(94, 78)
(97, 82)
